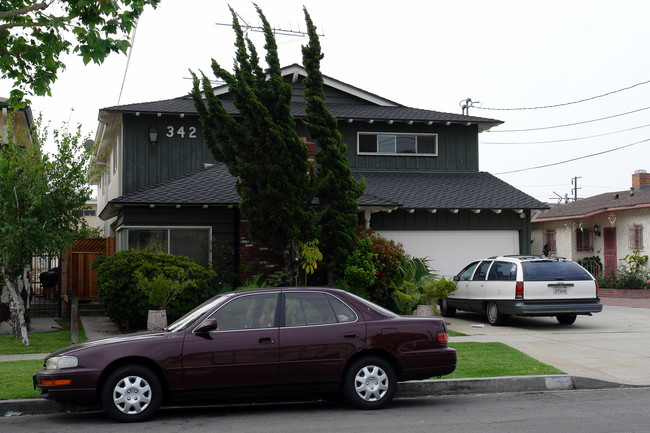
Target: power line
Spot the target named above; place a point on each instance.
(570, 139)
(564, 103)
(570, 124)
(574, 159)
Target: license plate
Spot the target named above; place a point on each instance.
(559, 291)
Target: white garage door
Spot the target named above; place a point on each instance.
(449, 251)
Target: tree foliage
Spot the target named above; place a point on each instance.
(261, 147)
(40, 199)
(34, 34)
(336, 189)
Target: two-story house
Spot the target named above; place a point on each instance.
(161, 188)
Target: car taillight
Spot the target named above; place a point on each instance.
(443, 337)
(597, 288)
(519, 290)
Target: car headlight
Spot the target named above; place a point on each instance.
(59, 362)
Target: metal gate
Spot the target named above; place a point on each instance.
(45, 278)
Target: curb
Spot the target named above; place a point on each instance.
(419, 388)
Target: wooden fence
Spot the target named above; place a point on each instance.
(82, 280)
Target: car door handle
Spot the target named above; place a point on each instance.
(349, 335)
(266, 340)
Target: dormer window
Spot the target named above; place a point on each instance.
(373, 143)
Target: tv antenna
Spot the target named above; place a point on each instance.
(276, 31)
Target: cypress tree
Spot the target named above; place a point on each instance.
(336, 188)
(262, 148)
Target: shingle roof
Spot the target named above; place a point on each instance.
(445, 190)
(344, 112)
(598, 204)
(213, 185)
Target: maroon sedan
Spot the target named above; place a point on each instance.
(250, 345)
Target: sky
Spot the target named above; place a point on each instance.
(429, 54)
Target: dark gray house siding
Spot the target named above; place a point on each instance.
(146, 164)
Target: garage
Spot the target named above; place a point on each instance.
(450, 250)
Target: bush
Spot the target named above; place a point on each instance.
(631, 274)
(127, 305)
(372, 270)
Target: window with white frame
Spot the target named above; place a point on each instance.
(192, 242)
(374, 143)
(549, 239)
(583, 240)
(635, 237)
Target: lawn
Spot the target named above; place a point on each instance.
(42, 342)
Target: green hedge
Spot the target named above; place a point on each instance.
(127, 306)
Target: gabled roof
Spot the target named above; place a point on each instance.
(213, 185)
(376, 108)
(598, 204)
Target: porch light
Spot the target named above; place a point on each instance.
(596, 230)
(153, 134)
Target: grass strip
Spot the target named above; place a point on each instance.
(16, 379)
(474, 360)
(494, 360)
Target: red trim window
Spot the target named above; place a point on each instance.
(549, 239)
(635, 237)
(583, 240)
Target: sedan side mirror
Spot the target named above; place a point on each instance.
(456, 278)
(206, 326)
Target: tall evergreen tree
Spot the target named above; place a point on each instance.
(337, 190)
(262, 148)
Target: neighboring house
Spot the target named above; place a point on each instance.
(23, 120)
(162, 190)
(609, 225)
(89, 213)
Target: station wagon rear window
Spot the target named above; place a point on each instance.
(551, 270)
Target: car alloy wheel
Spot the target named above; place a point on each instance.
(132, 393)
(370, 383)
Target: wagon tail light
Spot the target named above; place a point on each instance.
(597, 289)
(519, 290)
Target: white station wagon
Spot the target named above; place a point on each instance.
(524, 286)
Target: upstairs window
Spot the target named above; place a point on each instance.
(635, 237)
(583, 240)
(397, 144)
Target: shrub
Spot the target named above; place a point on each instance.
(127, 305)
(372, 269)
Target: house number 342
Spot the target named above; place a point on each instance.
(191, 132)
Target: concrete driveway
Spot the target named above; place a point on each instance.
(613, 345)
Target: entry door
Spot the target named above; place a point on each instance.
(609, 237)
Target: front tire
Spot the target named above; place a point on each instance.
(370, 383)
(132, 393)
(494, 316)
(566, 319)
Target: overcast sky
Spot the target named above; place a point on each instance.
(426, 54)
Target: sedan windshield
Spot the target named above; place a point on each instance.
(190, 317)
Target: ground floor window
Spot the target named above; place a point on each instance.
(192, 242)
(549, 241)
(583, 240)
(635, 237)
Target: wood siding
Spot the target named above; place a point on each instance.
(146, 164)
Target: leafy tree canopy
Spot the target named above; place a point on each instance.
(34, 34)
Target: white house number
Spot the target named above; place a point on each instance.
(181, 132)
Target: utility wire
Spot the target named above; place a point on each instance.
(569, 124)
(565, 103)
(573, 159)
(569, 139)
